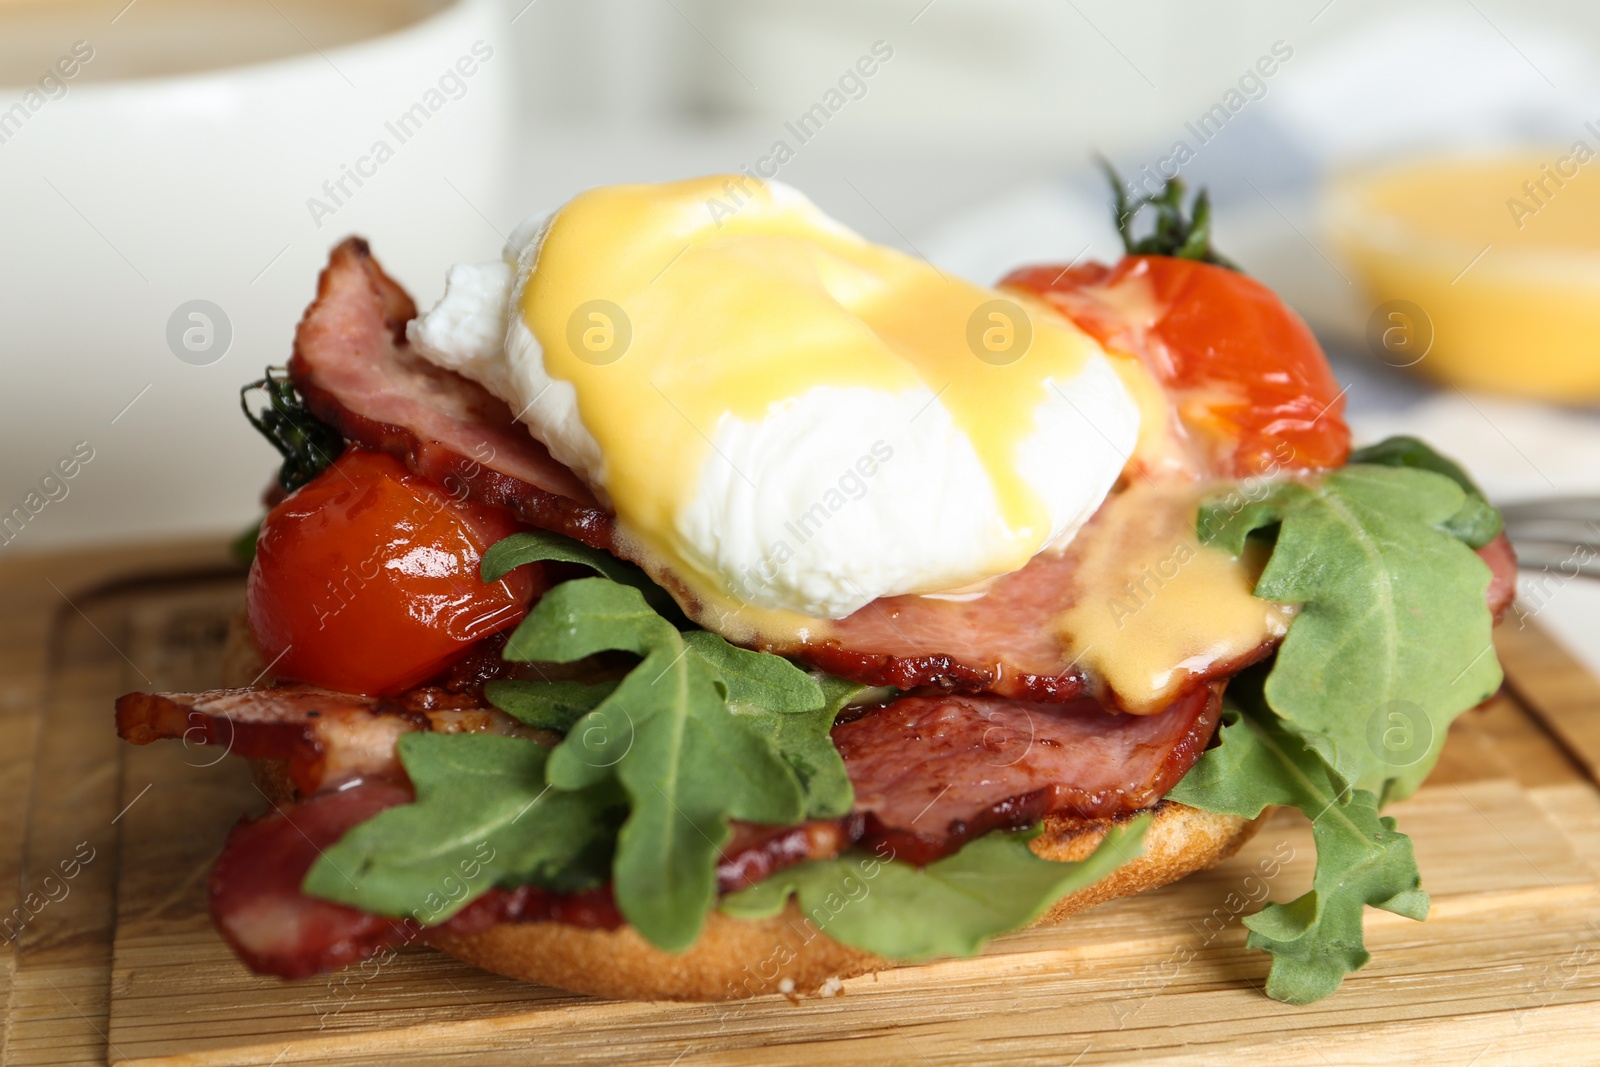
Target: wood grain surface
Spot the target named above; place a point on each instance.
(119, 962)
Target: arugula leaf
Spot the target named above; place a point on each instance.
(948, 908)
(805, 741)
(537, 546)
(1362, 859)
(547, 705)
(686, 762)
(1477, 523)
(792, 710)
(1391, 641)
(1403, 450)
(483, 817)
(766, 681)
(580, 618)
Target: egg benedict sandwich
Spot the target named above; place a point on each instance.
(696, 604)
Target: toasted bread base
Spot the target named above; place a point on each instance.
(737, 958)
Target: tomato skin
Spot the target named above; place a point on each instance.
(1245, 372)
(366, 579)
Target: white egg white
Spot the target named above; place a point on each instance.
(834, 498)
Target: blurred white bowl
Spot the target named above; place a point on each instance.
(127, 197)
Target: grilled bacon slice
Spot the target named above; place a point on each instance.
(325, 738)
(254, 888)
(932, 772)
(257, 905)
(352, 364)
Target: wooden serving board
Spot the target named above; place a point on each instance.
(120, 962)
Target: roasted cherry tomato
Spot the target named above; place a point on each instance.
(366, 578)
(1244, 371)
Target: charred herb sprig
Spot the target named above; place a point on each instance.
(306, 443)
(1176, 234)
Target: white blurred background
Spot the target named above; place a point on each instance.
(184, 161)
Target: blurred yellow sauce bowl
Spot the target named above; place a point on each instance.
(1485, 272)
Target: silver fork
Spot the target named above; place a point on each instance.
(1559, 532)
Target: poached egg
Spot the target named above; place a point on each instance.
(795, 418)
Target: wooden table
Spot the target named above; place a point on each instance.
(120, 961)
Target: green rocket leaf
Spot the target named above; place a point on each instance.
(951, 907)
(483, 816)
(1391, 640)
(687, 763)
(1316, 939)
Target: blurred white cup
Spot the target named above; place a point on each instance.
(172, 175)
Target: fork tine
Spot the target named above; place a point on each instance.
(1560, 534)
(1559, 558)
(1569, 531)
(1579, 508)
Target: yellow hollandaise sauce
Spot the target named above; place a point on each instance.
(669, 317)
(1154, 606)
